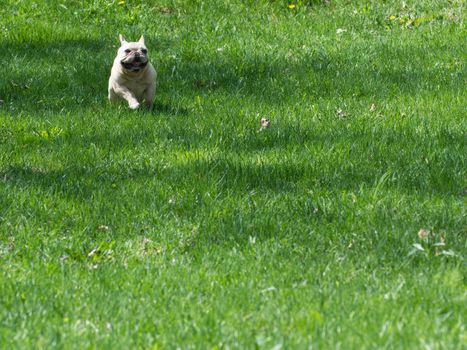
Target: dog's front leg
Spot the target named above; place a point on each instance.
(126, 94)
(149, 96)
(113, 97)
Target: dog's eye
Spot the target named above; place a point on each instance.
(127, 50)
(144, 51)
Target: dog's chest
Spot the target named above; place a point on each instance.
(137, 87)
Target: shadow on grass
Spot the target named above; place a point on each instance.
(73, 74)
(168, 109)
(345, 170)
(204, 186)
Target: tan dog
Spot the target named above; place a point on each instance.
(133, 78)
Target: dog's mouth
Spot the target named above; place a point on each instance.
(134, 66)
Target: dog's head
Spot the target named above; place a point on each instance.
(133, 56)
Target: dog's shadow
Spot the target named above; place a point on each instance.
(168, 109)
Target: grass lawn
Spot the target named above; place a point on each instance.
(342, 225)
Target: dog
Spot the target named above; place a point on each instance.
(133, 78)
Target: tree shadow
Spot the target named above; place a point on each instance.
(72, 74)
(269, 80)
(330, 162)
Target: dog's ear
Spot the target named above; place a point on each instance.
(122, 39)
(141, 40)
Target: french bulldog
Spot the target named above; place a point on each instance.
(133, 78)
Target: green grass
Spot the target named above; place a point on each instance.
(189, 226)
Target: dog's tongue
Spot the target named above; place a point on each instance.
(137, 63)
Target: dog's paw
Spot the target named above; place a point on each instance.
(148, 105)
(134, 105)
